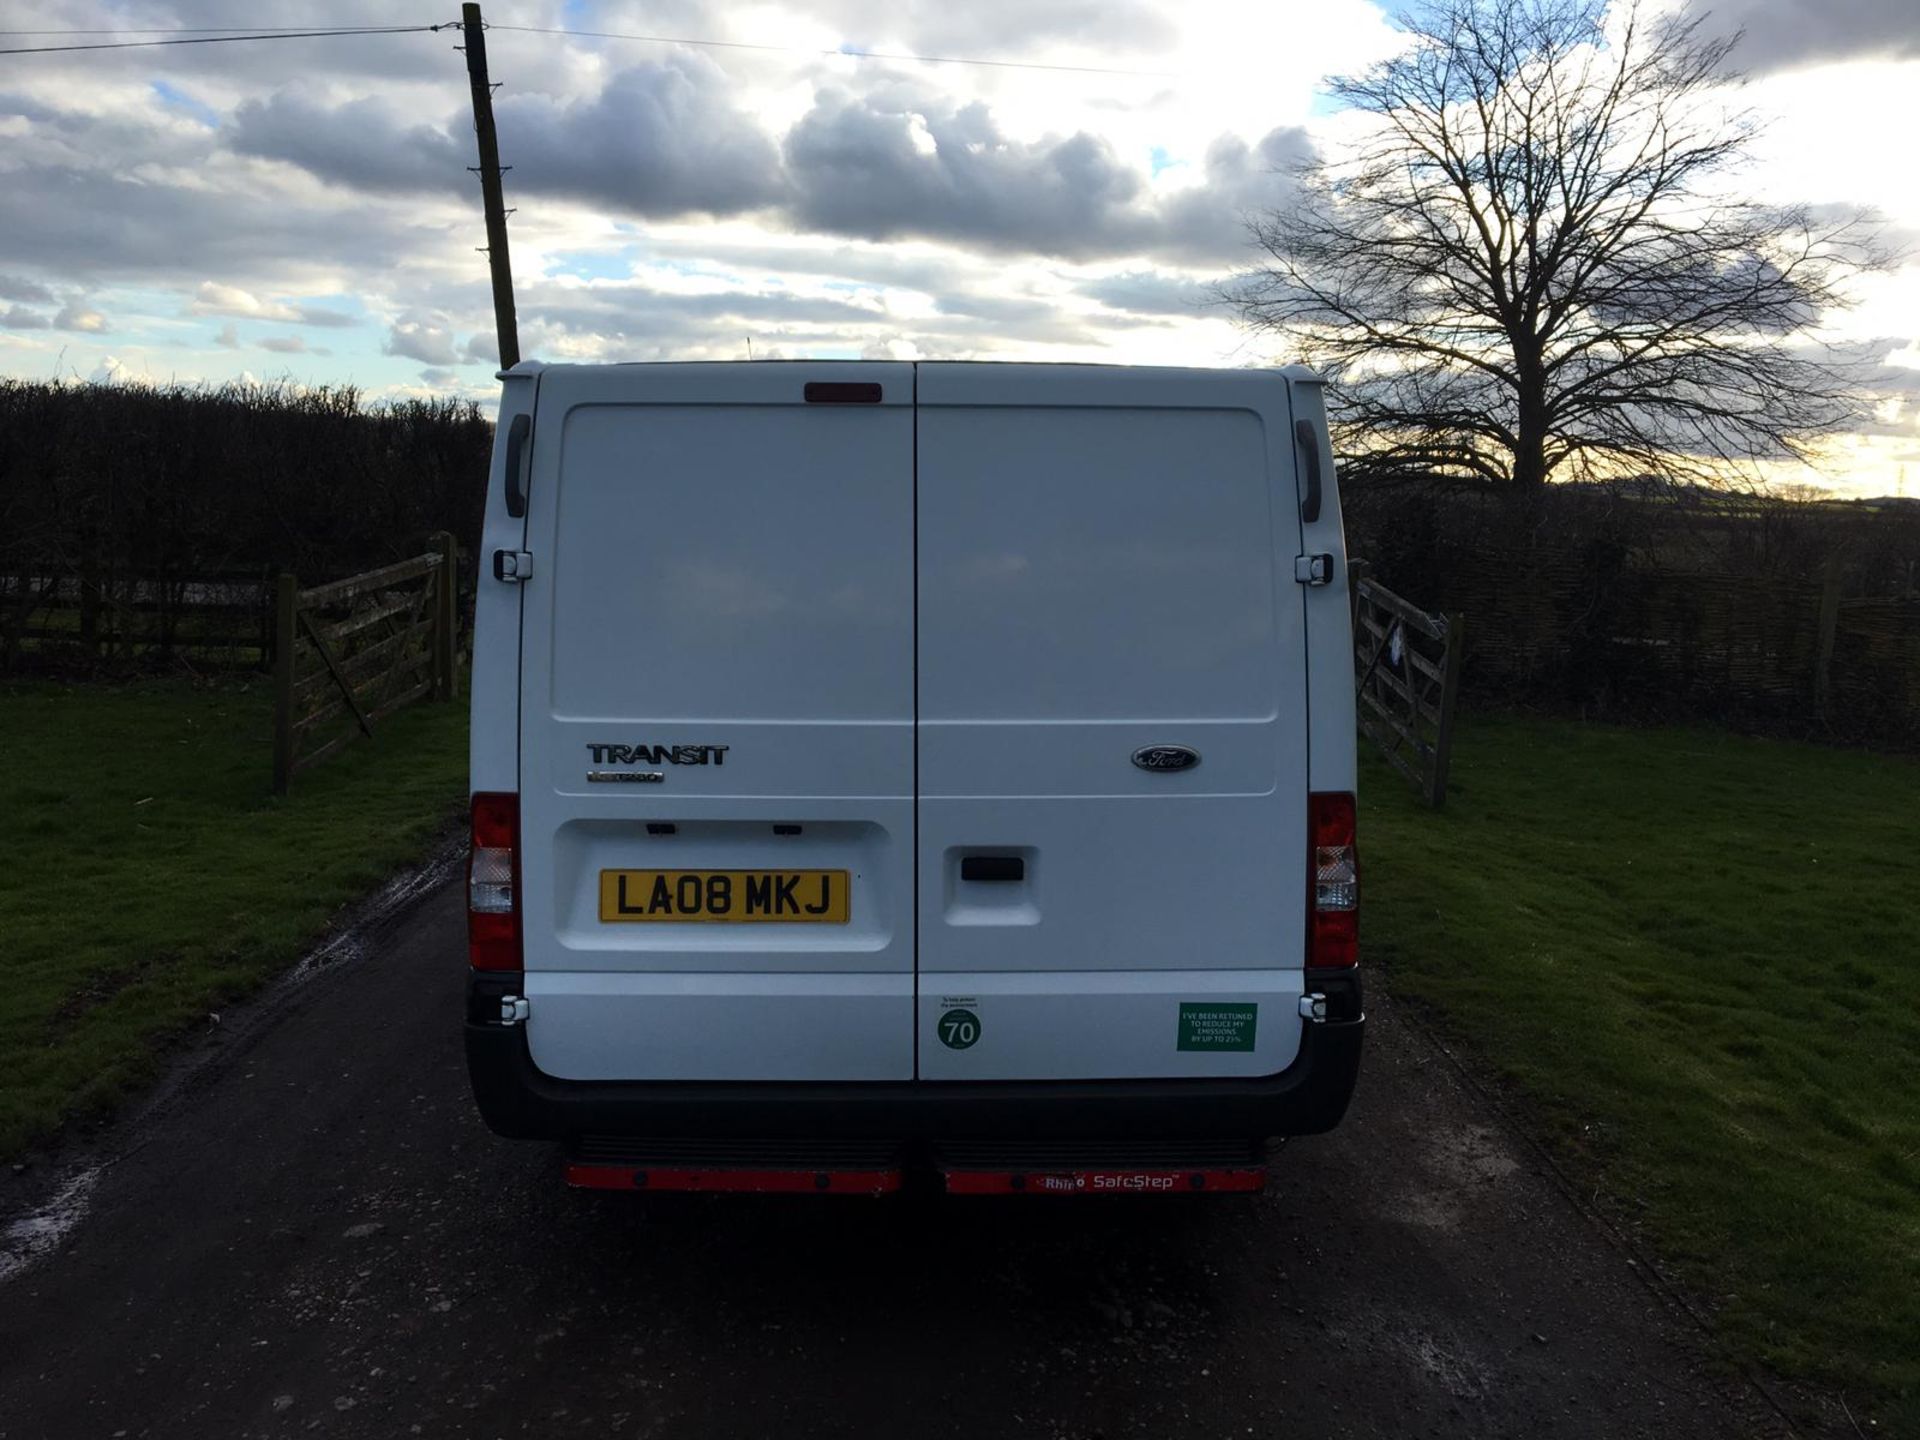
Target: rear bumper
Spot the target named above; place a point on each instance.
(519, 1101)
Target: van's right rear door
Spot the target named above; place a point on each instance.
(1106, 568)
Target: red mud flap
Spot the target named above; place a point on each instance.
(1083, 1168)
(1103, 1182)
(738, 1182)
(737, 1167)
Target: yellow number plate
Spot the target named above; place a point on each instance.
(789, 896)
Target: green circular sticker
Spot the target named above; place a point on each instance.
(959, 1028)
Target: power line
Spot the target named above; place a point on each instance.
(848, 54)
(225, 38)
(223, 34)
(193, 30)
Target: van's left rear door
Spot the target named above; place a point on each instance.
(721, 599)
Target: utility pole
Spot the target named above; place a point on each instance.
(504, 321)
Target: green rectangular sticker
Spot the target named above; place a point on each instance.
(1217, 1025)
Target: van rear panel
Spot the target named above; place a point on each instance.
(904, 726)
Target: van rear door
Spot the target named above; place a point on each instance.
(1113, 733)
(716, 723)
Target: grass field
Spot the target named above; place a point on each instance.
(151, 878)
(1697, 958)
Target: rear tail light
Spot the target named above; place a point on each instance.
(493, 883)
(1333, 881)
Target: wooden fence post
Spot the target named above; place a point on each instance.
(446, 612)
(267, 612)
(1449, 692)
(286, 607)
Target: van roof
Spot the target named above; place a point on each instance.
(1295, 374)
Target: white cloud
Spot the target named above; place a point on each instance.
(76, 315)
(213, 298)
(422, 340)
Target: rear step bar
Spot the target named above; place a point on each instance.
(1103, 1182)
(1094, 1168)
(1016, 1168)
(741, 1167)
(730, 1179)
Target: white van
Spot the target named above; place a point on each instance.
(887, 764)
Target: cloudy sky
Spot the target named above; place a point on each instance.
(303, 209)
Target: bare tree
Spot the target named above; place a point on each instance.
(1536, 259)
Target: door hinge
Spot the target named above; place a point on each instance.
(512, 566)
(1312, 1007)
(1313, 569)
(513, 1009)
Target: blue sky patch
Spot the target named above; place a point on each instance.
(176, 99)
(593, 264)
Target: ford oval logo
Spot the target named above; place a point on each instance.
(1166, 757)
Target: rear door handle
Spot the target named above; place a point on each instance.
(989, 868)
(1308, 444)
(518, 433)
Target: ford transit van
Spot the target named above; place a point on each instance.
(891, 765)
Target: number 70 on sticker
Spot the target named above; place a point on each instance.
(958, 1028)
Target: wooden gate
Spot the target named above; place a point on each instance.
(1407, 678)
(349, 653)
